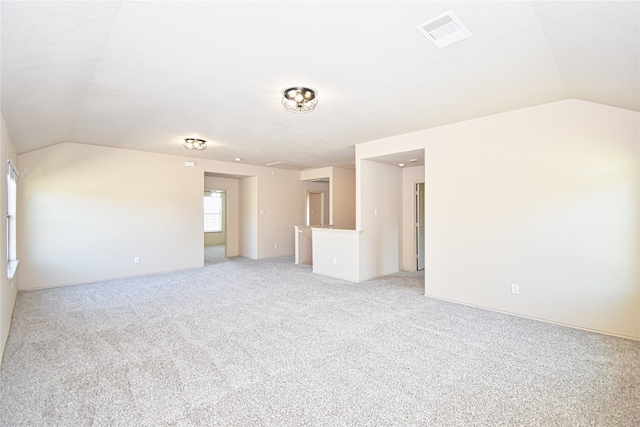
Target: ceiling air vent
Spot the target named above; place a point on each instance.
(287, 165)
(444, 30)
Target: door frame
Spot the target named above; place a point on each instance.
(416, 224)
(224, 212)
(322, 206)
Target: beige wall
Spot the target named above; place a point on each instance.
(281, 199)
(342, 194)
(379, 219)
(336, 253)
(248, 218)
(8, 288)
(85, 212)
(215, 238)
(343, 190)
(545, 197)
(371, 250)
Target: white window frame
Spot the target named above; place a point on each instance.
(12, 189)
(212, 206)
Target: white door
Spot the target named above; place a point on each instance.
(420, 226)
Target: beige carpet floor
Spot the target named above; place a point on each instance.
(269, 343)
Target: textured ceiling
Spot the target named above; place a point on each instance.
(144, 75)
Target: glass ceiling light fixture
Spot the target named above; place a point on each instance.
(195, 144)
(299, 99)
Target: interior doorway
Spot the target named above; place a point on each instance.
(215, 225)
(419, 221)
(315, 208)
(240, 212)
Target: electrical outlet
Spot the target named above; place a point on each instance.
(275, 246)
(515, 289)
(335, 260)
(136, 260)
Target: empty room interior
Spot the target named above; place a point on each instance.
(320, 213)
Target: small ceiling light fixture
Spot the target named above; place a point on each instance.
(238, 159)
(413, 160)
(195, 144)
(401, 165)
(299, 99)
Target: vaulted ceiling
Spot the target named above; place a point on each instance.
(144, 75)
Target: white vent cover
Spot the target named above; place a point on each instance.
(287, 165)
(444, 30)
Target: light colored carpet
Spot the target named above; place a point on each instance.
(214, 254)
(268, 343)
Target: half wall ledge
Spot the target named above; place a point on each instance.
(336, 253)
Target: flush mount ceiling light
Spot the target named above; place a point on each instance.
(194, 144)
(299, 99)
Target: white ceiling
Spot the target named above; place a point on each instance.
(144, 75)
